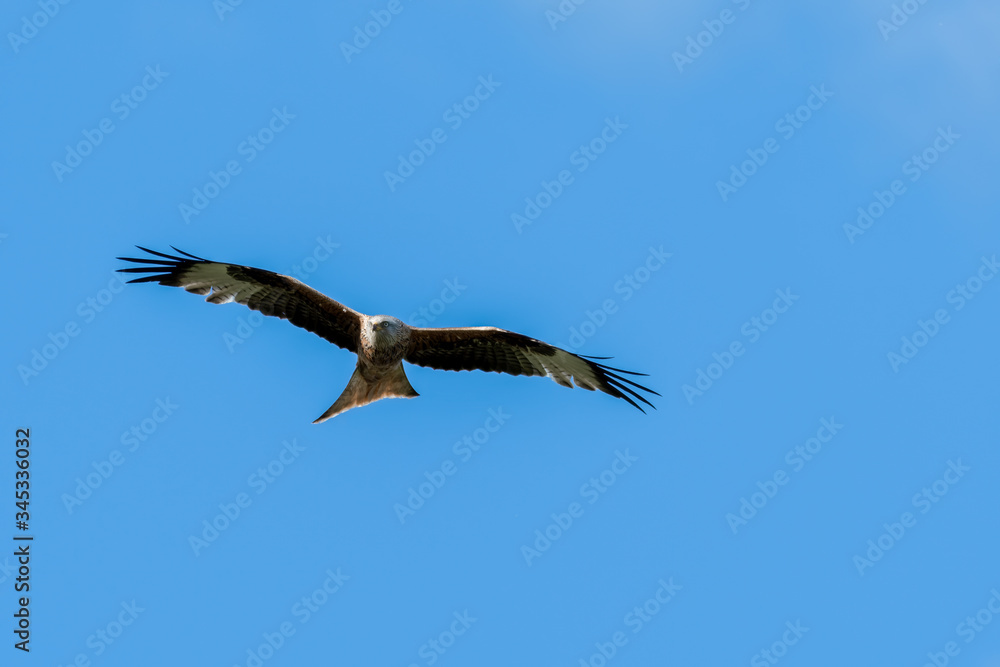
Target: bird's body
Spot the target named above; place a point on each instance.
(381, 342)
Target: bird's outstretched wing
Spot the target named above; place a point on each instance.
(270, 293)
(500, 351)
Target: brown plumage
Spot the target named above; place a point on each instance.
(381, 342)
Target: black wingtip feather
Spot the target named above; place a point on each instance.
(633, 403)
(187, 254)
(162, 269)
(620, 370)
(139, 260)
(620, 385)
(159, 254)
(150, 279)
(634, 384)
(140, 269)
(633, 393)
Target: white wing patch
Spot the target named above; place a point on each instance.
(565, 368)
(213, 280)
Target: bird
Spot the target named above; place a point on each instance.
(381, 342)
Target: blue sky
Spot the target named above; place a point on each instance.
(785, 215)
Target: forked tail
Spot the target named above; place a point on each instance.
(394, 384)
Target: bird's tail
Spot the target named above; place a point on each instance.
(359, 391)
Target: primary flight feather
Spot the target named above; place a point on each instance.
(381, 342)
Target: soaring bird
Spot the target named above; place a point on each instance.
(381, 342)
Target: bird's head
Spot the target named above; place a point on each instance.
(383, 328)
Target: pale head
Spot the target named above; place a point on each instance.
(384, 329)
